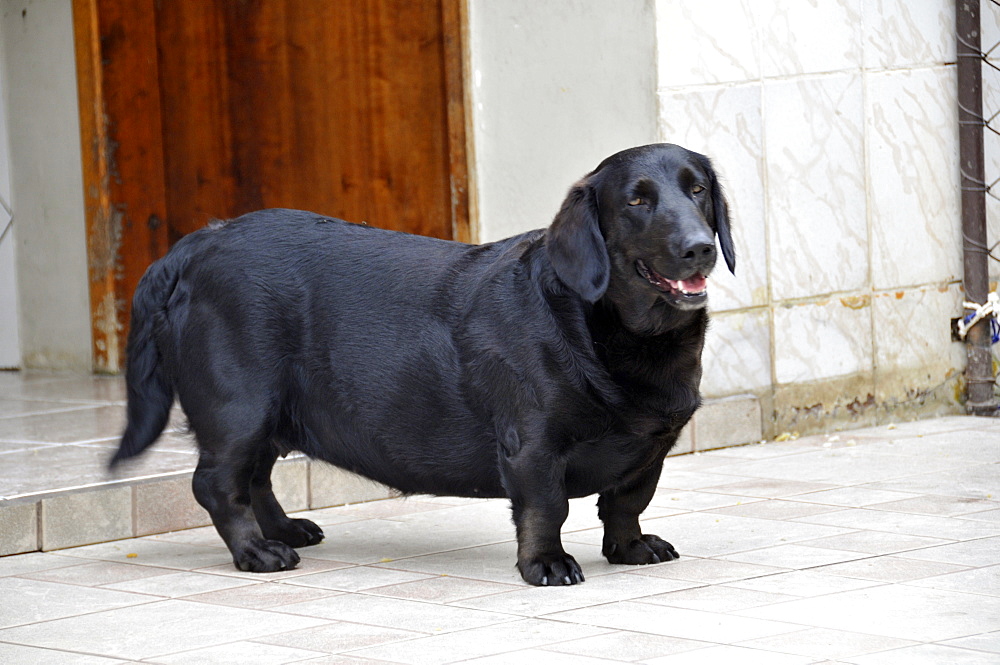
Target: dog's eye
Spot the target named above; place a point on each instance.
(637, 201)
(697, 189)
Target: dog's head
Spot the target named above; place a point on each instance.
(640, 231)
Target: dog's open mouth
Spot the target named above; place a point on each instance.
(691, 291)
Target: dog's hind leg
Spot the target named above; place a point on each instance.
(274, 523)
(222, 485)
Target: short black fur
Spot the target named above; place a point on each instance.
(555, 364)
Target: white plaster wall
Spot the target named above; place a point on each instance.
(10, 346)
(834, 127)
(557, 86)
(46, 183)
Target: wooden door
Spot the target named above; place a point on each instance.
(200, 109)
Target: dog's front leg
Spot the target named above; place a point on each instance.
(539, 504)
(619, 509)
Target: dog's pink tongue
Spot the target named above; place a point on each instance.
(694, 284)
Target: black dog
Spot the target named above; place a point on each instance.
(555, 364)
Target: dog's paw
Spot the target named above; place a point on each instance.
(265, 556)
(551, 570)
(645, 549)
(295, 532)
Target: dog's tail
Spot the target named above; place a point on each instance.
(150, 389)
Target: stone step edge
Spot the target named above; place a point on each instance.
(131, 508)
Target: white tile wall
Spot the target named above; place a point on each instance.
(913, 332)
(737, 356)
(914, 177)
(815, 196)
(903, 33)
(712, 41)
(822, 340)
(725, 123)
(809, 37)
(834, 126)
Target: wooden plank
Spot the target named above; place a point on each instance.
(464, 211)
(199, 109)
(94, 149)
(122, 162)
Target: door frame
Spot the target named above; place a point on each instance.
(135, 112)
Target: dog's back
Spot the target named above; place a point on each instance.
(320, 336)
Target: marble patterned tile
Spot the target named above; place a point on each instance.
(443, 589)
(815, 205)
(14, 408)
(479, 642)
(876, 542)
(178, 584)
(84, 424)
(913, 349)
(34, 602)
(717, 598)
(984, 580)
(397, 613)
(929, 526)
(724, 122)
(16, 653)
(893, 569)
(73, 466)
(357, 578)
(108, 516)
(847, 466)
(900, 33)
(796, 557)
(714, 41)
(625, 645)
(976, 552)
(823, 643)
(69, 388)
(730, 654)
(928, 654)
(538, 601)
(239, 652)
(674, 622)
(984, 642)
(806, 37)
(900, 611)
(712, 535)
(737, 355)
(177, 622)
(709, 571)
(264, 595)
(914, 176)
(802, 583)
(337, 637)
(974, 482)
(823, 339)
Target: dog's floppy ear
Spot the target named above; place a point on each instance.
(720, 209)
(576, 247)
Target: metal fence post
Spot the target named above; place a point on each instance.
(979, 365)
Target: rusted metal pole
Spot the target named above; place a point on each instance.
(979, 363)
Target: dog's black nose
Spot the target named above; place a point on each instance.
(698, 251)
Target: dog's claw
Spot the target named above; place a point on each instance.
(555, 569)
(646, 549)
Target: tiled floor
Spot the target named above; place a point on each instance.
(873, 546)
